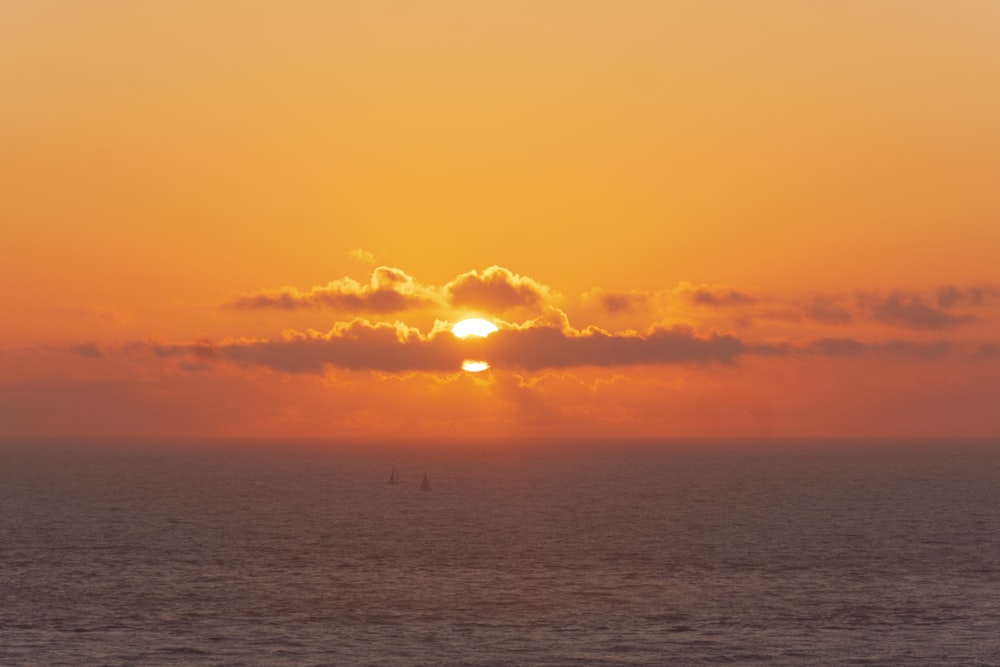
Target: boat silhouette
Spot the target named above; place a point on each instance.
(425, 485)
(393, 476)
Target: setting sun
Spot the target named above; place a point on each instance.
(473, 366)
(479, 328)
(473, 327)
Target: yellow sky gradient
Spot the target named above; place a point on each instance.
(811, 160)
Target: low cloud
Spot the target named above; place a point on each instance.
(361, 345)
(950, 296)
(357, 345)
(933, 310)
(87, 350)
(849, 347)
(543, 344)
(549, 342)
(535, 348)
(826, 310)
(390, 290)
(913, 311)
(622, 303)
(716, 296)
(497, 289)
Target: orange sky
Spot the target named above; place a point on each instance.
(694, 218)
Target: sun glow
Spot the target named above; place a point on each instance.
(479, 328)
(473, 327)
(473, 366)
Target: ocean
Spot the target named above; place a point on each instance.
(674, 552)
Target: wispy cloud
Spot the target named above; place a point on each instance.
(362, 255)
(912, 311)
(943, 308)
(848, 347)
(717, 296)
(87, 350)
(620, 303)
(950, 296)
(826, 310)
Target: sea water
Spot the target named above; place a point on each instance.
(534, 553)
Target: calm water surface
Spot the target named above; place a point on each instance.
(679, 553)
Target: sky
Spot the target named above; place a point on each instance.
(698, 218)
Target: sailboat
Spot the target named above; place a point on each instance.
(425, 485)
(393, 476)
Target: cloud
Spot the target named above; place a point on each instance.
(544, 343)
(911, 310)
(363, 256)
(535, 348)
(87, 350)
(931, 310)
(826, 310)
(950, 296)
(549, 342)
(619, 303)
(356, 345)
(390, 290)
(497, 289)
(848, 347)
(989, 350)
(716, 296)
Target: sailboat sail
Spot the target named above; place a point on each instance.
(393, 476)
(425, 485)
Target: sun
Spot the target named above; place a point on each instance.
(473, 366)
(480, 329)
(473, 327)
